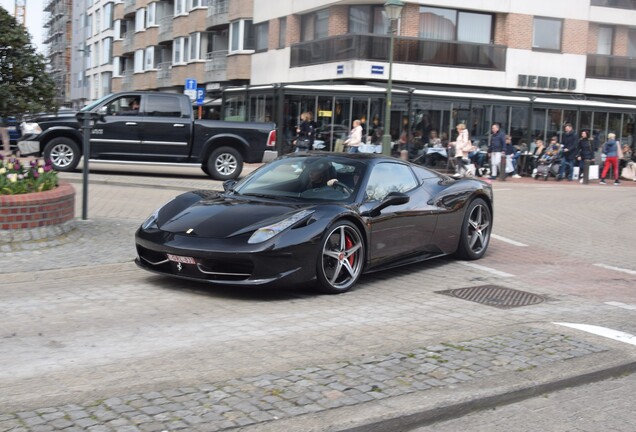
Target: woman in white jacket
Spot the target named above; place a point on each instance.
(355, 137)
(463, 146)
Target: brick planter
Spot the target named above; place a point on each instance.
(40, 209)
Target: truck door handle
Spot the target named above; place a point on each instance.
(178, 125)
(131, 123)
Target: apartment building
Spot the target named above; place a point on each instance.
(57, 38)
(531, 66)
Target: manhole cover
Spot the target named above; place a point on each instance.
(493, 295)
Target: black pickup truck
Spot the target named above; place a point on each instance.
(149, 127)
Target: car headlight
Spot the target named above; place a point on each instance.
(152, 220)
(267, 232)
(30, 128)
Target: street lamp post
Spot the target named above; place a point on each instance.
(393, 9)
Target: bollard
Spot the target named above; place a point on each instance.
(586, 171)
(404, 155)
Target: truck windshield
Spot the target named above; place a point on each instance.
(90, 106)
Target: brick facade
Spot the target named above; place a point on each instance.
(338, 20)
(38, 209)
(621, 41)
(574, 37)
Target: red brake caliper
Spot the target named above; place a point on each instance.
(349, 245)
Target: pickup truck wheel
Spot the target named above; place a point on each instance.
(225, 163)
(63, 153)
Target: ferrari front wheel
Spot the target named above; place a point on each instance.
(341, 260)
(475, 231)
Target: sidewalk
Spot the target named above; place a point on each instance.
(479, 357)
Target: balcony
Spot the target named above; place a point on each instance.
(127, 80)
(611, 67)
(130, 7)
(164, 74)
(406, 50)
(165, 29)
(217, 13)
(216, 66)
(128, 42)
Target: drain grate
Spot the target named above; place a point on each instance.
(494, 295)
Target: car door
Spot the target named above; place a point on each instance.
(167, 127)
(400, 230)
(119, 135)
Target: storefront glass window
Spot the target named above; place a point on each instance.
(234, 109)
(599, 131)
(539, 124)
(614, 124)
(555, 122)
(627, 135)
(519, 124)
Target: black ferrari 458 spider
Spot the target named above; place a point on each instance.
(325, 217)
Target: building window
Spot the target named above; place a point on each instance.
(180, 50)
(546, 34)
(454, 25)
(631, 43)
(620, 4)
(149, 59)
(262, 36)
(98, 22)
(241, 36)
(95, 62)
(108, 16)
(605, 40)
(195, 47)
(151, 15)
(180, 7)
(106, 80)
(139, 61)
(89, 25)
(140, 20)
(107, 50)
(193, 4)
(314, 25)
(117, 66)
(282, 32)
(368, 19)
(117, 27)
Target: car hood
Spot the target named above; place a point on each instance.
(224, 216)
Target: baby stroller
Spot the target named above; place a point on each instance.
(549, 164)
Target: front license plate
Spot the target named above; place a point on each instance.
(181, 259)
(12, 128)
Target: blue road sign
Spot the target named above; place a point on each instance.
(200, 95)
(190, 84)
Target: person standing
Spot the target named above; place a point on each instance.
(355, 138)
(497, 145)
(463, 147)
(306, 132)
(4, 135)
(584, 152)
(611, 151)
(569, 143)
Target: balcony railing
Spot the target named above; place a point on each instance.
(406, 50)
(165, 29)
(164, 74)
(217, 13)
(216, 66)
(129, 6)
(611, 67)
(619, 4)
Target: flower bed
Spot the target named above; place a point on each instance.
(31, 199)
(34, 210)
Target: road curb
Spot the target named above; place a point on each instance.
(407, 412)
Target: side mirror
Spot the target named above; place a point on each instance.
(392, 199)
(228, 185)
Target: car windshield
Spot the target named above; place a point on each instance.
(310, 178)
(92, 105)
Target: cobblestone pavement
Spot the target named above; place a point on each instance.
(92, 343)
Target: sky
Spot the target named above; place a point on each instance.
(34, 20)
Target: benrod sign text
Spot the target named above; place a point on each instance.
(543, 82)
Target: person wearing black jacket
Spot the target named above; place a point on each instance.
(584, 152)
(569, 146)
(497, 145)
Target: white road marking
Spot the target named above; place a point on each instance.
(609, 267)
(602, 331)
(499, 190)
(487, 269)
(622, 305)
(507, 240)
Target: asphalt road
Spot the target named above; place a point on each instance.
(89, 341)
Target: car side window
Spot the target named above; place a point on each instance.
(388, 177)
(125, 105)
(163, 106)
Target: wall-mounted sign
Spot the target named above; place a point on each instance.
(377, 70)
(325, 114)
(340, 69)
(548, 83)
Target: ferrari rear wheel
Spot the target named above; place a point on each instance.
(341, 260)
(476, 228)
